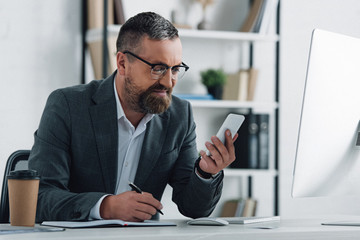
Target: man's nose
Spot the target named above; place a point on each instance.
(167, 80)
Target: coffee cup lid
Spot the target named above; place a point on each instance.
(23, 174)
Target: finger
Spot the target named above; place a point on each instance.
(213, 151)
(134, 219)
(144, 211)
(141, 216)
(222, 154)
(207, 163)
(143, 208)
(147, 198)
(235, 137)
(230, 146)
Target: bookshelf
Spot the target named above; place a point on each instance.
(219, 107)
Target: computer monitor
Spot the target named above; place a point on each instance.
(328, 148)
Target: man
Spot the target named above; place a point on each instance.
(94, 139)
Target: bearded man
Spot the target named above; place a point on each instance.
(94, 139)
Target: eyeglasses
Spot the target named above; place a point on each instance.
(159, 70)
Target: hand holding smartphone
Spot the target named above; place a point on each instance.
(233, 123)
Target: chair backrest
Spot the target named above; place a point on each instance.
(16, 161)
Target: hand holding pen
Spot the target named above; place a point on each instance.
(138, 190)
(130, 206)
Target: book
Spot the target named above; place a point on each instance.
(105, 223)
(268, 15)
(253, 76)
(95, 48)
(260, 16)
(249, 220)
(252, 145)
(95, 13)
(246, 145)
(241, 86)
(249, 208)
(112, 51)
(230, 207)
(240, 208)
(263, 139)
(252, 16)
(253, 129)
(233, 208)
(236, 86)
(119, 17)
(242, 146)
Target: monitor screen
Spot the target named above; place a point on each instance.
(328, 156)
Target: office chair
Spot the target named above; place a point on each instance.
(16, 161)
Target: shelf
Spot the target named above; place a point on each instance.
(231, 172)
(233, 104)
(96, 35)
(226, 35)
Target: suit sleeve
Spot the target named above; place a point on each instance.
(193, 196)
(51, 157)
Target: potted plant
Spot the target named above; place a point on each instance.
(214, 80)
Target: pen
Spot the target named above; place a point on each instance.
(138, 190)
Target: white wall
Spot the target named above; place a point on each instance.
(40, 50)
(298, 18)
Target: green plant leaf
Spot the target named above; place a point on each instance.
(213, 77)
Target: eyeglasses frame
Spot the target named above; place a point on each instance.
(153, 65)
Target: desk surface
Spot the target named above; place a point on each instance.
(302, 228)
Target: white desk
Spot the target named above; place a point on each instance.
(302, 228)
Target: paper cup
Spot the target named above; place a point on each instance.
(23, 186)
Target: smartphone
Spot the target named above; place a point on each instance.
(233, 123)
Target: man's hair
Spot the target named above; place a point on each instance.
(144, 24)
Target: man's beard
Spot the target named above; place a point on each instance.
(144, 101)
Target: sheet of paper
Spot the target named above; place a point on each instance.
(7, 229)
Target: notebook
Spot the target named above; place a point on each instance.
(105, 223)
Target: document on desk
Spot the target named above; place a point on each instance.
(8, 229)
(106, 223)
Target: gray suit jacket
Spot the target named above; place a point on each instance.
(75, 152)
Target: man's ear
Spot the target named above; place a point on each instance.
(120, 63)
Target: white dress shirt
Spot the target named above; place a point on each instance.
(129, 147)
(130, 140)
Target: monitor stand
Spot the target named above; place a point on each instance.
(343, 223)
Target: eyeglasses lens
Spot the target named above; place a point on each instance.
(159, 71)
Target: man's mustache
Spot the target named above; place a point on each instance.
(158, 87)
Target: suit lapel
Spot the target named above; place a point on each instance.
(104, 121)
(153, 142)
